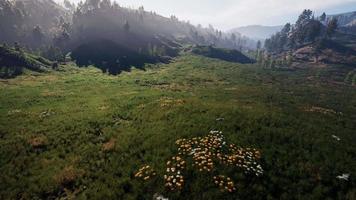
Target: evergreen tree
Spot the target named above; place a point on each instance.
(332, 26)
(304, 17)
(322, 17)
(258, 46)
(17, 47)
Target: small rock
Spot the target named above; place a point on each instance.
(46, 114)
(11, 112)
(344, 177)
(159, 197)
(336, 137)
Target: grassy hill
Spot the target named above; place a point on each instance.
(15, 62)
(83, 134)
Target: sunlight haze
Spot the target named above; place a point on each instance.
(228, 14)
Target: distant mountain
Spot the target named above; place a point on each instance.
(344, 19)
(257, 32)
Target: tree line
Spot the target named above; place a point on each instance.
(307, 29)
(51, 29)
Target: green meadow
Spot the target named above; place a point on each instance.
(77, 133)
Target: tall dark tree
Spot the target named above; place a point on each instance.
(322, 17)
(258, 46)
(306, 30)
(332, 26)
(304, 17)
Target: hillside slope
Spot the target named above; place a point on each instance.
(341, 50)
(14, 62)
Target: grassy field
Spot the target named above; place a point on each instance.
(80, 134)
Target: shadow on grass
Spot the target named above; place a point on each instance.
(111, 57)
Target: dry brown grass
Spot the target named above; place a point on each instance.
(320, 110)
(47, 93)
(67, 176)
(174, 87)
(109, 145)
(169, 102)
(38, 141)
(104, 107)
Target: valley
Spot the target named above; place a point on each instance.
(141, 100)
(77, 132)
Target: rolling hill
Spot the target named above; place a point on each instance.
(13, 62)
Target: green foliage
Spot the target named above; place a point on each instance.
(8, 72)
(306, 30)
(322, 17)
(351, 78)
(354, 80)
(332, 26)
(13, 61)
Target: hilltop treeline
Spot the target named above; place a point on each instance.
(39, 24)
(311, 39)
(306, 30)
(33, 24)
(52, 30)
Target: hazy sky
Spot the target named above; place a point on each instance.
(227, 14)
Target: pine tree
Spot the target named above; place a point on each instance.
(258, 46)
(322, 18)
(17, 46)
(332, 26)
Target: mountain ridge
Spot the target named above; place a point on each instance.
(257, 32)
(344, 19)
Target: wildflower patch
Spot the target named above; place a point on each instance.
(224, 183)
(145, 173)
(206, 155)
(173, 178)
